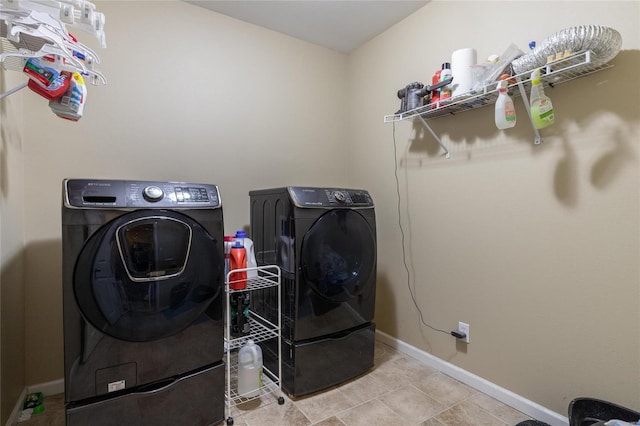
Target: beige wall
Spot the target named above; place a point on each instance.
(12, 222)
(536, 247)
(192, 96)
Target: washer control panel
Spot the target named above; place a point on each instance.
(329, 197)
(101, 193)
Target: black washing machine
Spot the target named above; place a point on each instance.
(143, 266)
(324, 241)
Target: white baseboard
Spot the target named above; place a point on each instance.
(17, 409)
(503, 395)
(53, 387)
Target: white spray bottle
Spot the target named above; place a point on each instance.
(505, 116)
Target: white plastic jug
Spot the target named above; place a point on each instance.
(249, 370)
(241, 236)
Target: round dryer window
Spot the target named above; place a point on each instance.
(338, 255)
(147, 275)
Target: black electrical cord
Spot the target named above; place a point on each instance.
(404, 255)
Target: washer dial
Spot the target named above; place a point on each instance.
(339, 196)
(153, 193)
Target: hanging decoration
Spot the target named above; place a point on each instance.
(35, 41)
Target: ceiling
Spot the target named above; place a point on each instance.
(336, 24)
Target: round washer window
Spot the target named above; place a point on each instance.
(147, 275)
(338, 255)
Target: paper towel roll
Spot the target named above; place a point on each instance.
(461, 62)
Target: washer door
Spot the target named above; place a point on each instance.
(147, 275)
(338, 255)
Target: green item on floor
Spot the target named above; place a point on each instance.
(34, 400)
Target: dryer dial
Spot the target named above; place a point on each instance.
(339, 196)
(152, 193)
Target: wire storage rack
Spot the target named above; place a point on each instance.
(261, 329)
(39, 29)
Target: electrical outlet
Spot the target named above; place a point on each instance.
(464, 328)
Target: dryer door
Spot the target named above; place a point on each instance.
(338, 265)
(147, 275)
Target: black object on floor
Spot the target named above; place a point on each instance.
(533, 423)
(588, 411)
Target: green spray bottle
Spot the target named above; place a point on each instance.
(541, 107)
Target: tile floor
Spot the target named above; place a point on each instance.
(53, 414)
(398, 391)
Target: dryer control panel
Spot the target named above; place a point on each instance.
(101, 193)
(329, 197)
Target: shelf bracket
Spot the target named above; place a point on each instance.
(523, 94)
(447, 154)
(12, 91)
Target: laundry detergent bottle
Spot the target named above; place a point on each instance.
(237, 260)
(246, 242)
(541, 107)
(228, 243)
(249, 370)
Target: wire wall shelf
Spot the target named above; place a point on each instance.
(560, 71)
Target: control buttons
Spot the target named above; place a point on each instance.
(339, 196)
(152, 193)
(191, 195)
(360, 198)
